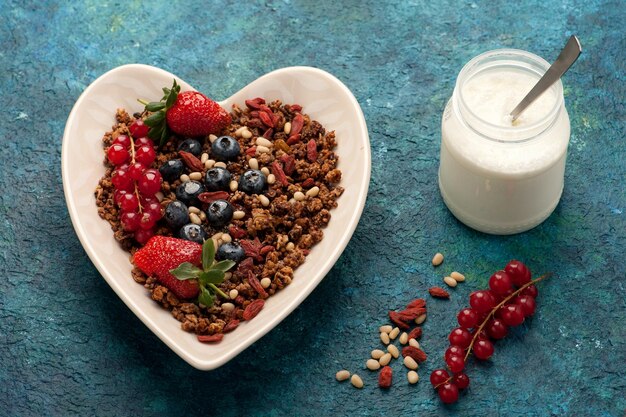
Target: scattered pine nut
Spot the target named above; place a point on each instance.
(253, 163)
(287, 128)
(246, 134)
(420, 319)
(185, 178)
(313, 192)
(266, 202)
(414, 343)
(394, 333)
(271, 179)
(372, 364)
(342, 375)
(238, 215)
(220, 165)
(377, 354)
(265, 171)
(233, 294)
(261, 141)
(193, 209)
(458, 277)
(266, 282)
(290, 246)
(356, 381)
(262, 149)
(209, 163)
(393, 350)
(385, 329)
(226, 238)
(194, 218)
(404, 338)
(450, 282)
(159, 195)
(298, 196)
(385, 359)
(196, 176)
(410, 363)
(239, 131)
(437, 259)
(204, 157)
(202, 215)
(384, 337)
(413, 377)
(228, 307)
(212, 138)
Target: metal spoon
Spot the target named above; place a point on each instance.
(566, 58)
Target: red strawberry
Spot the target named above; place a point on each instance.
(194, 114)
(189, 113)
(161, 254)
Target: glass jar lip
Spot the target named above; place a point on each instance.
(530, 59)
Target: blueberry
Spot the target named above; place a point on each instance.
(231, 251)
(171, 170)
(219, 213)
(225, 148)
(252, 181)
(176, 215)
(188, 192)
(192, 146)
(193, 232)
(217, 179)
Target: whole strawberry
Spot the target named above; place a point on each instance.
(189, 113)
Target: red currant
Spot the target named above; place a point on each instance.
(123, 140)
(511, 314)
(519, 273)
(500, 283)
(460, 337)
(142, 236)
(454, 350)
(527, 303)
(483, 349)
(117, 196)
(152, 207)
(448, 393)
(482, 301)
(481, 335)
(117, 154)
(531, 290)
(455, 363)
(467, 318)
(150, 182)
(496, 329)
(121, 180)
(145, 154)
(130, 221)
(144, 141)
(147, 221)
(135, 170)
(461, 380)
(439, 376)
(138, 128)
(128, 202)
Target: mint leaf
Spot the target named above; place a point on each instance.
(185, 271)
(208, 254)
(205, 297)
(224, 265)
(213, 276)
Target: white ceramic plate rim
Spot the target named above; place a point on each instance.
(206, 363)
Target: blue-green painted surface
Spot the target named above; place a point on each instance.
(69, 346)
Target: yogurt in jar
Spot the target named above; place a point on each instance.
(495, 175)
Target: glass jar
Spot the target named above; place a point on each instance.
(498, 176)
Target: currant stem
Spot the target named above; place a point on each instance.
(217, 290)
(493, 310)
(132, 161)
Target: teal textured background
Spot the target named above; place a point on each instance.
(69, 346)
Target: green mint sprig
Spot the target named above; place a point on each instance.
(211, 274)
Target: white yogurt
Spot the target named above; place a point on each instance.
(496, 176)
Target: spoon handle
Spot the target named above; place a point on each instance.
(566, 58)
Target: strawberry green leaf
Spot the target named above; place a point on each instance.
(185, 271)
(208, 254)
(213, 276)
(205, 297)
(155, 106)
(155, 119)
(224, 265)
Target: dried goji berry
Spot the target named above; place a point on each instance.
(209, 196)
(412, 313)
(417, 303)
(385, 377)
(230, 326)
(296, 124)
(295, 108)
(293, 139)
(191, 161)
(210, 338)
(308, 183)
(416, 333)
(266, 119)
(289, 164)
(253, 309)
(278, 172)
(438, 292)
(236, 233)
(251, 151)
(266, 249)
(256, 285)
(311, 151)
(395, 319)
(268, 133)
(418, 354)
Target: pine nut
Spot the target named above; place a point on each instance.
(196, 176)
(313, 192)
(377, 354)
(204, 157)
(233, 294)
(342, 375)
(239, 131)
(217, 236)
(394, 333)
(253, 163)
(413, 377)
(220, 165)
(437, 259)
(356, 381)
(404, 338)
(238, 215)
(385, 329)
(410, 363)
(414, 343)
(228, 275)
(266, 282)
(287, 128)
(212, 138)
(202, 215)
(228, 307)
(185, 178)
(226, 238)
(261, 141)
(159, 195)
(209, 163)
(384, 337)
(372, 364)
(194, 218)
(265, 171)
(266, 202)
(450, 282)
(292, 200)
(393, 350)
(246, 134)
(271, 179)
(193, 209)
(385, 359)
(458, 277)
(298, 196)
(233, 185)
(262, 149)
(420, 319)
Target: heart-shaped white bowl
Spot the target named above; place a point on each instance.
(322, 96)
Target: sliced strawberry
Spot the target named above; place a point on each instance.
(161, 254)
